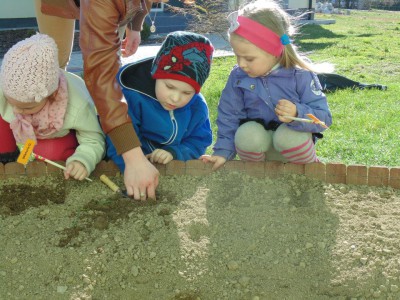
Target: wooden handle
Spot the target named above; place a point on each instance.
(107, 181)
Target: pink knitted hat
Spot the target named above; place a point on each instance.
(30, 69)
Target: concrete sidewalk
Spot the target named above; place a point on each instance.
(222, 48)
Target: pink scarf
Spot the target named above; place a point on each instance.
(47, 121)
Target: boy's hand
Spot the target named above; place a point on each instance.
(285, 108)
(218, 161)
(76, 170)
(160, 156)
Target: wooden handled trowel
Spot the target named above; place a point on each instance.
(107, 181)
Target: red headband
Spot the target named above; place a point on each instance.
(261, 36)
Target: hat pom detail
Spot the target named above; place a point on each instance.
(37, 92)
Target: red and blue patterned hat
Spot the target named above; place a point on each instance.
(184, 56)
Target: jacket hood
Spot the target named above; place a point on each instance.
(136, 76)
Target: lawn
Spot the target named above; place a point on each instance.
(363, 46)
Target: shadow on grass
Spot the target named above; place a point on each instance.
(307, 47)
(316, 31)
(366, 35)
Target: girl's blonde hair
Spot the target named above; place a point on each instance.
(269, 14)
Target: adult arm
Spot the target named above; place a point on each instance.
(132, 40)
(100, 45)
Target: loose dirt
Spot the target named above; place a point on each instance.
(221, 236)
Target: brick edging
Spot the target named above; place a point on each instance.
(329, 172)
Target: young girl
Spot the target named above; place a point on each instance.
(270, 85)
(41, 102)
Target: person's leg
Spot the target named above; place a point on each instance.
(273, 154)
(58, 148)
(60, 29)
(8, 143)
(252, 141)
(8, 146)
(296, 146)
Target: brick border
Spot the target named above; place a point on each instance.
(329, 173)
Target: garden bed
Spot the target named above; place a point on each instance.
(251, 231)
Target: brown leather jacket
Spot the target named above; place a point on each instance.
(100, 44)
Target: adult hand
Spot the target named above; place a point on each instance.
(131, 43)
(140, 176)
(160, 156)
(218, 161)
(285, 108)
(76, 170)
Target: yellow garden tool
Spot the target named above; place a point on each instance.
(312, 119)
(26, 155)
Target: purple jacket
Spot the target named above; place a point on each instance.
(255, 98)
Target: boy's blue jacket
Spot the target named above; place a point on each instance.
(185, 132)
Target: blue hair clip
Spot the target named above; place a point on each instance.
(285, 40)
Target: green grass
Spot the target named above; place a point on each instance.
(363, 46)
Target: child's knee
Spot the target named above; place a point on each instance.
(251, 136)
(286, 138)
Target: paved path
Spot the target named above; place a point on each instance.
(222, 48)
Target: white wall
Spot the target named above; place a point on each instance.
(10, 9)
(294, 4)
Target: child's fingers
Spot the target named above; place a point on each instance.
(75, 170)
(155, 156)
(284, 120)
(167, 159)
(286, 108)
(67, 171)
(218, 164)
(80, 173)
(161, 156)
(150, 157)
(284, 102)
(217, 161)
(207, 158)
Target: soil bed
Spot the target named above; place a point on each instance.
(222, 236)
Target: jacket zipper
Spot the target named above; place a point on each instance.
(173, 135)
(174, 129)
(267, 101)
